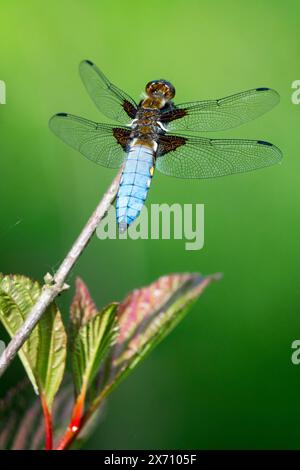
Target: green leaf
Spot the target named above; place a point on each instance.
(147, 315)
(44, 353)
(92, 333)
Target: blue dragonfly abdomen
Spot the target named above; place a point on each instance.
(134, 185)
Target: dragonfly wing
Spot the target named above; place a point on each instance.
(100, 143)
(192, 157)
(109, 99)
(221, 114)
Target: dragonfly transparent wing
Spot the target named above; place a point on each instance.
(192, 157)
(100, 143)
(109, 99)
(221, 114)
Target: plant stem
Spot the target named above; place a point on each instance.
(73, 431)
(51, 290)
(48, 425)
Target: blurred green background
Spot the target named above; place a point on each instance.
(224, 378)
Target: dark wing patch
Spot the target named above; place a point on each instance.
(263, 142)
(169, 143)
(129, 109)
(121, 135)
(172, 115)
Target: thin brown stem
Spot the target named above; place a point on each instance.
(57, 285)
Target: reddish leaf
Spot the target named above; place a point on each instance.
(146, 316)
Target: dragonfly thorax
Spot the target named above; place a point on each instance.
(153, 102)
(146, 127)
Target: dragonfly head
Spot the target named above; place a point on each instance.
(160, 89)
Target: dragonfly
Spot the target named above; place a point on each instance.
(148, 137)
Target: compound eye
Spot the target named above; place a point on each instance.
(151, 87)
(160, 87)
(170, 91)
